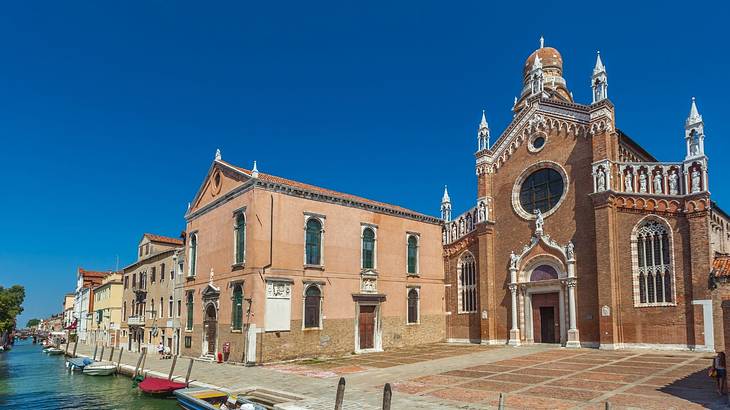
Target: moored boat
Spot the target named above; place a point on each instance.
(159, 386)
(53, 351)
(100, 369)
(201, 398)
(78, 363)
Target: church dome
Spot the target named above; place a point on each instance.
(551, 60)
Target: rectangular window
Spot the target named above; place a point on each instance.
(179, 308)
(169, 310)
(126, 281)
(134, 280)
(154, 274)
(313, 242)
(162, 272)
(240, 237)
(412, 254)
(188, 341)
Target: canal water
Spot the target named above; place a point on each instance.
(31, 379)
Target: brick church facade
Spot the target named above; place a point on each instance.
(578, 235)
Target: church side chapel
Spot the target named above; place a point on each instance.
(578, 236)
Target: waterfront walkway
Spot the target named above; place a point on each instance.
(444, 376)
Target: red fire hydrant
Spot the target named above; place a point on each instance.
(220, 357)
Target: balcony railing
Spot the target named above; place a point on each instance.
(135, 320)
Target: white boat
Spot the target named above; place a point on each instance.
(100, 369)
(53, 350)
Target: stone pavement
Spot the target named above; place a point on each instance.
(441, 376)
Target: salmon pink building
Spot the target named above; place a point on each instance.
(278, 269)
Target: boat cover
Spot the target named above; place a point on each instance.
(80, 361)
(156, 385)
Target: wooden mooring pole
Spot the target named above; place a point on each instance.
(144, 360)
(387, 396)
(101, 355)
(96, 347)
(172, 368)
(119, 360)
(76, 344)
(501, 401)
(111, 355)
(340, 394)
(190, 369)
(65, 351)
(139, 361)
(608, 406)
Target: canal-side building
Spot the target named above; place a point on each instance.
(579, 236)
(107, 314)
(68, 310)
(148, 303)
(278, 269)
(83, 300)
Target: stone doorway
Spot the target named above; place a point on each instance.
(210, 330)
(366, 322)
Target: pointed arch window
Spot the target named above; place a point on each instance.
(239, 230)
(368, 248)
(467, 278)
(653, 269)
(313, 242)
(237, 307)
(412, 255)
(312, 307)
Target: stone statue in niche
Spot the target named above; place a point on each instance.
(443, 235)
(658, 183)
(601, 180)
(462, 228)
(629, 182)
(642, 182)
(482, 212)
(695, 180)
(539, 222)
(570, 251)
(513, 258)
(453, 231)
(469, 224)
(673, 183)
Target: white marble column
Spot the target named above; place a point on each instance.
(514, 333)
(573, 335)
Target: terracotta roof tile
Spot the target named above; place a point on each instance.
(163, 239)
(721, 266)
(324, 191)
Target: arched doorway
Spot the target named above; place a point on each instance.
(210, 329)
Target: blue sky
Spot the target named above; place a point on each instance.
(110, 113)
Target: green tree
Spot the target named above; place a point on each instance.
(32, 322)
(11, 301)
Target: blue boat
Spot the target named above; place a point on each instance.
(78, 363)
(201, 398)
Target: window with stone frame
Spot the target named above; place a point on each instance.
(189, 321)
(368, 248)
(413, 306)
(239, 229)
(313, 242)
(467, 283)
(652, 261)
(237, 307)
(193, 254)
(412, 255)
(312, 307)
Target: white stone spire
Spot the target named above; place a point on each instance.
(483, 134)
(542, 42)
(254, 171)
(694, 115)
(599, 80)
(217, 154)
(694, 132)
(446, 205)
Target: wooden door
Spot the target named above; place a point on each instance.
(547, 324)
(367, 327)
(211, 325)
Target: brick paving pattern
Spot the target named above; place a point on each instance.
(442, 376)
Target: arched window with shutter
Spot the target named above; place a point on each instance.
(412, 253)
(239, 229)
(312, 307)
(189, 322)
(368, 248)
(652, 262)
(237, 308)
(413, 306)
(313, 242)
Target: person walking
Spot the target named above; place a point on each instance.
(719, 372)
